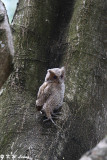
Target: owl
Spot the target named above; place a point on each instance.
(51, 92)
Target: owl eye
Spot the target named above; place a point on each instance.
(55, 77)
(61, 76)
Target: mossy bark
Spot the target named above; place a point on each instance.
(22, 129)
(47, 34)
(86, 65)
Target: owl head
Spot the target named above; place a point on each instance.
(56, 75)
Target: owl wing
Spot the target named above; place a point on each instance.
(43, 94)
(41, 90)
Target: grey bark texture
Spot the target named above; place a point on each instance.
(97, 153)
(6, 46)
(50, 34)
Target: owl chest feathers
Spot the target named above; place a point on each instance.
(57, 94)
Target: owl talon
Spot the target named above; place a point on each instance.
(48, 120)
(56, 114)
(55, 117)
(55, 124)
(52, 121)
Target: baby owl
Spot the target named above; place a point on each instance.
(51, 92)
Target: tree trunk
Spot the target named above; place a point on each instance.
(97, 153)
(86, 65)
(6, 46)
(49, 34)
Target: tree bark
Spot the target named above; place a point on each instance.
(86, 65)
(52, 34)
(22, 129)
(97, 153)
(6, 46)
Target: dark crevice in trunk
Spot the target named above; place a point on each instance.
(58, 42)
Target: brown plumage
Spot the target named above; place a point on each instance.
(51, 92)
